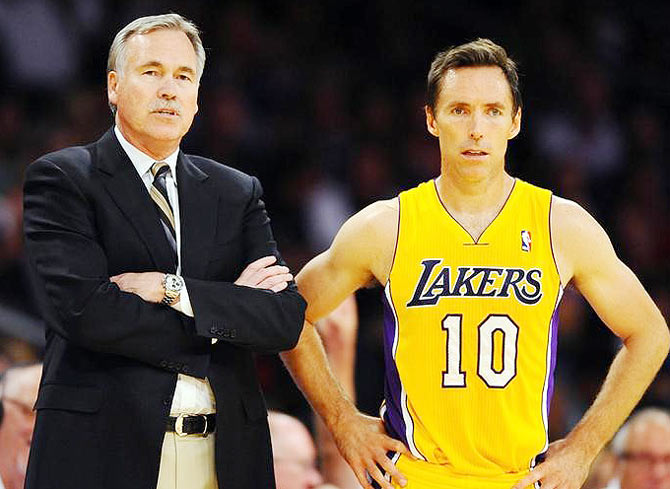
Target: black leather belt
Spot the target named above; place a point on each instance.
(201, 424)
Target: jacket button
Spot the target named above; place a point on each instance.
(233, 333)
(166, 402)
(163, 363)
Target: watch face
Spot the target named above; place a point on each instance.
(173, 282)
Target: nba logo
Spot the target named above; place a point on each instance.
(525, 240)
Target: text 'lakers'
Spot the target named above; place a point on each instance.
(436, 282)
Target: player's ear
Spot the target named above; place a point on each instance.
(431, 124)
(516, 124)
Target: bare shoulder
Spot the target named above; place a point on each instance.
(577, 238)
(569, 213)
(360, 255)
(570, 222)
(382, 216)
(371, 234)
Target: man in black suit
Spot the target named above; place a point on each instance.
(158, 276)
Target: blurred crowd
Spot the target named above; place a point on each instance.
(323, 101)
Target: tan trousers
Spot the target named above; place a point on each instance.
(187, 462)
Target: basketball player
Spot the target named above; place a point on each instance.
(473, 265)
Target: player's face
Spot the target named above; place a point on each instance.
(647, 465)
(473, 120)
(156, 92)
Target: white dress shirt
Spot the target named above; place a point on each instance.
(192, 395)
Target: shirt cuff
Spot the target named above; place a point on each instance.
(184, 304)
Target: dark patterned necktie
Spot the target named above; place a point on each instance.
(159, 195)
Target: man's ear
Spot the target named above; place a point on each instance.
(516, 124)
(431, 123)
(112, 87)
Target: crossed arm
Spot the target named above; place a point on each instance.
(260, 274)
(84, 306)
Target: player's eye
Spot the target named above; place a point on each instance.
(495, 111)
(458, 111)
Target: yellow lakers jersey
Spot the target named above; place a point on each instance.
(470, 340)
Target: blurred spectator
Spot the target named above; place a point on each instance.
(294, 453)
(602, 470)
(18, 393)
(14, 350)
(642, 450)
(39, 41)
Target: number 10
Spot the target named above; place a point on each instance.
(454, 376)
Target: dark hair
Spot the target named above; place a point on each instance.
(482, 52)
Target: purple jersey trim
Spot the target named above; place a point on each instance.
(393, 419)
(552, 365)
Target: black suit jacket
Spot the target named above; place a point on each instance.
(112, 359)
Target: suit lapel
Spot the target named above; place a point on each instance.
(198, 205)
(129, 193)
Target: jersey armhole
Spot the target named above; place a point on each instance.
(551, 244)
(397, 241)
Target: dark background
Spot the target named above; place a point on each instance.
(323, 101)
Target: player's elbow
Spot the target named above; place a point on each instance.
(657, 340)
(663, 338)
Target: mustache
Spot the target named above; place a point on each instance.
(174, 106)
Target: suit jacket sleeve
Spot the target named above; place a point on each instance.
(257, 319)
(72, 272)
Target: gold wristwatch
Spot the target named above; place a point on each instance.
(172, 285)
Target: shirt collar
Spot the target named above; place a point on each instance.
(143, 162)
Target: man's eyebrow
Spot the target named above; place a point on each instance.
(458, 102)
(187, 69)
(158, 64)
(151, 63)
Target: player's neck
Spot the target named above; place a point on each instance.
(474, 196)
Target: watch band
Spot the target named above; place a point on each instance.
(172, 285)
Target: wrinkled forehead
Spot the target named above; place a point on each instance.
(161, 45)
(476, 84)
(650, 437)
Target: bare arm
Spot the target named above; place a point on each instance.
(586, 256)
(361, 253)
(338, 331)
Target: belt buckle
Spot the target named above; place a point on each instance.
(204, 431)
(179, 425)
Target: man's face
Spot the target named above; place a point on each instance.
(646, 460)
(473, 121)
(156, 91)
(295, 465)
(16, 431)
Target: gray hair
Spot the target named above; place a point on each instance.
(659, 417)
(145, 25)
